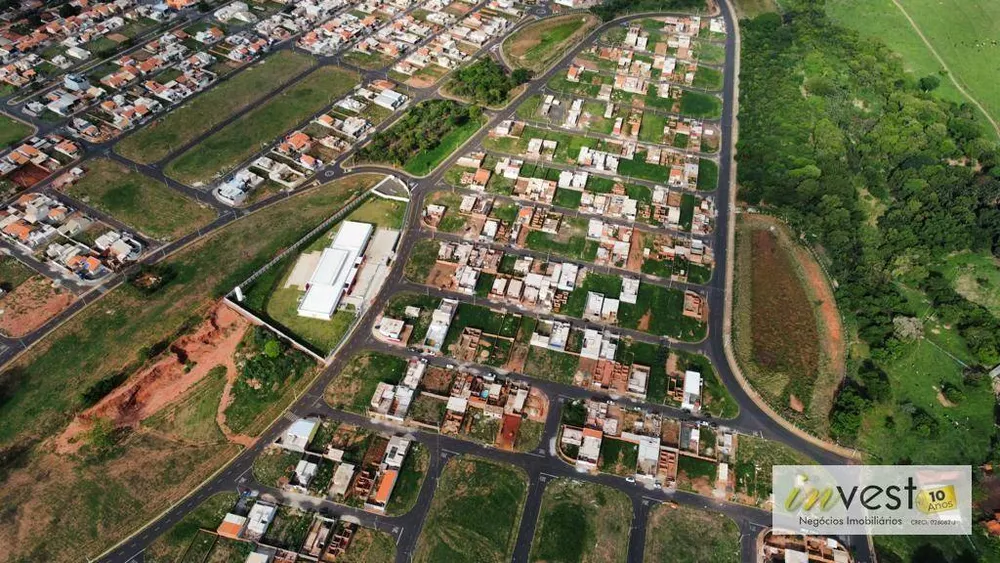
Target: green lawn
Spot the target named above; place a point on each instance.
(139, 201)
(708, 174)
(227, 148)
(707, 78)
(696, 104)
(671, 527)
(652, 127)
(583, 522)
(196, 117)
(411, 478)
(618, 457)
(475, 513)
(12, 131)
(551, 364)
(975, 276)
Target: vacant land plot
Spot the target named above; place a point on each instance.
(788, 332)
(205, 111)
(369, 546)
(963, 38)
(540, 44)
(353, 388)
(171, 545)
(697, 104)
(411, 478)
(13, 273)
(671, 528)
(137, 477)
(31, 304)
(12, 130)
(618, 457)
(239, 140)
(755, 458)
(139, 201)
(475, 513)
(582, 522)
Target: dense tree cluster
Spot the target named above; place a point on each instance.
(421, 129)
(863, 160)
(611, 9)
(487, 82)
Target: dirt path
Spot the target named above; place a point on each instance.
(944, 65)
(227, 397)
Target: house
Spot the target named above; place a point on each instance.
(342, 478)
(590, 448)
(391, 328)
(258, 520)
(440, 321)
(692, 392)
(298, 435)
(232, 526)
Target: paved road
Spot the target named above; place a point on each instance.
(540, 466)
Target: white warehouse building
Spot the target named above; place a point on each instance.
(336, 270)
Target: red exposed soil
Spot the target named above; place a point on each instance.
(156, 386)
(30, 305)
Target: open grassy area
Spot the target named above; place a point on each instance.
(43, 388)
(551, 364)
(13, 273)
(538, 45)
(369, 546)
(169, 547)
(139, 201)
(227, 148)
(962, 37)
(618, 457)
(475, 513)
(353, 388)
(697, 104)
(583, 522)
(671, 528)
(975, 276)
(193, 417)
(424, 136)
(205, 111)
(12, 130)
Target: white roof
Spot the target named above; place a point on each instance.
(302, 428)
(335, 270)
(457, 404)
(258, 558)
(692, 382)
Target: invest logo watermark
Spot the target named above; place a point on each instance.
(873, 499)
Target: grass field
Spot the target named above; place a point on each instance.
(964, 38)
(12, 131)
(227, 148)
(551, 364)
(411, 478)
(205, 111)
(671, 528)
(976, 276)
(13, 273)
(44, 388)
(618, 457)
(538, 45)
(697, 104)
(168, 547)
(582, 522)
(193, 417)
(755, 458)
(369, 546)
(139, 201)
(475, 513)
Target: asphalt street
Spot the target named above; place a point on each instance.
(540, 466)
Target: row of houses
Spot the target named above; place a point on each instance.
(36, 158)
(299, 154)
(327, 539)
(38, 222)
(594, 433)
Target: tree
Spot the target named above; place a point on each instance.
(929, 83)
